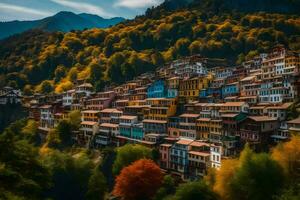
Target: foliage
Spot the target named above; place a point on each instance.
(61, 135)
(70, 174)
(96, 186)
(22, 174)
(253, 176)
(30, 132)
(128, 154)
(140, 180)
(121, 52)
(288, 156)
(167, 188)
(194, 190)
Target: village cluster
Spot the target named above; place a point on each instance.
(194, 111)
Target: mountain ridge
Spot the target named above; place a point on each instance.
(62, 21)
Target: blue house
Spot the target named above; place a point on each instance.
(231, 89)
(158, 89)
(210, 94)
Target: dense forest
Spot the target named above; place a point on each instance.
(38, 61)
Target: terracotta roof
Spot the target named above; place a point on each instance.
(127, 117)
(166, 145)
(45, 106)
(234, 103)
(294, 121)
(199, 153)
(110, 110)
(88, 123)
(189, 115)
(90, 111)
(184, 141)
(154, 121)
(282, 106)
(109, 125)
(204, 119)
(198, 144)
(262, 118)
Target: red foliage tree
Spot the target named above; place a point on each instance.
(140, 180)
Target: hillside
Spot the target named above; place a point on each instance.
(62, 21)
(172, 30)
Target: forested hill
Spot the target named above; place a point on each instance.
(62, 21)
(234, 29)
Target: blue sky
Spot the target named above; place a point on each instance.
(37, 9)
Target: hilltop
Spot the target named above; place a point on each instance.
(235, 30)
(62, 21)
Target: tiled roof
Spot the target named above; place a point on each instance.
(294, 121)
(262, 118)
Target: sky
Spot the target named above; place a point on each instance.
(37, 9)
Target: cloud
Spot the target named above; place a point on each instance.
(4, 7)
(84, 7)
(133, 4)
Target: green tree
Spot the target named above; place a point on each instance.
(96, 186)
(96, 72)
(194, 190)
(182, 47)
(75, 119)
(167, 188)
(46, 87)
(30, 132)
(128, 154)
(59, 73)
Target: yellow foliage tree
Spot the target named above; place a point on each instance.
(288, 156)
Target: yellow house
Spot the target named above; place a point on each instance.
(203, 128)
(189, 89)
(90, 115)
(160, 108)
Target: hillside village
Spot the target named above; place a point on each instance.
(196, 111)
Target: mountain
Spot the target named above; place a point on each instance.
(62, 21)
(235, 30)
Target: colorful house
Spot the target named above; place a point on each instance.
(157, 89)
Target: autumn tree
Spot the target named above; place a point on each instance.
(128, 154)
(30, 131)
(140, 180)
(46, 87)
(288, 156)
(253, 176)
(59, 73)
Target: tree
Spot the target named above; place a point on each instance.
(167, 188)
(46, 87)
(128, 154)
(288, 156)
(96, 186)
(140, 180)
(194, 190)
(75, 119)
(60, 136)
(253, 176)
(21, 171)
(59, 73)
(182, 47)
(70, 174)
(96, 72)
(73, 74)
(30, 131)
